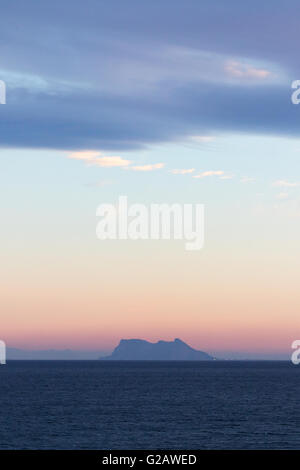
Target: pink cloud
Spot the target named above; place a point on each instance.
(238, 70)
(156, 166)
(209, 173)
(96, 158)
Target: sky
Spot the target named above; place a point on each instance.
(164, 102)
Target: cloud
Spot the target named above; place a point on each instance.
(238, 70)
(204, 174)
(85, 119)
(285, 184)
(94, 158)
(156, 166)
(130, 90)
(182, 171)
(86, 155)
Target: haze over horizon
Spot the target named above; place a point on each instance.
(163, 104)
(89, 354)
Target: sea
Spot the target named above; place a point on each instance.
(149, 405)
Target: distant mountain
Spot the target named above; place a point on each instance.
(138, 349)
(52, 354)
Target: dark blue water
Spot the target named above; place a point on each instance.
(148, 405)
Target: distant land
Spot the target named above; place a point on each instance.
(53, 355)
(139, 349)
(19, 354)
